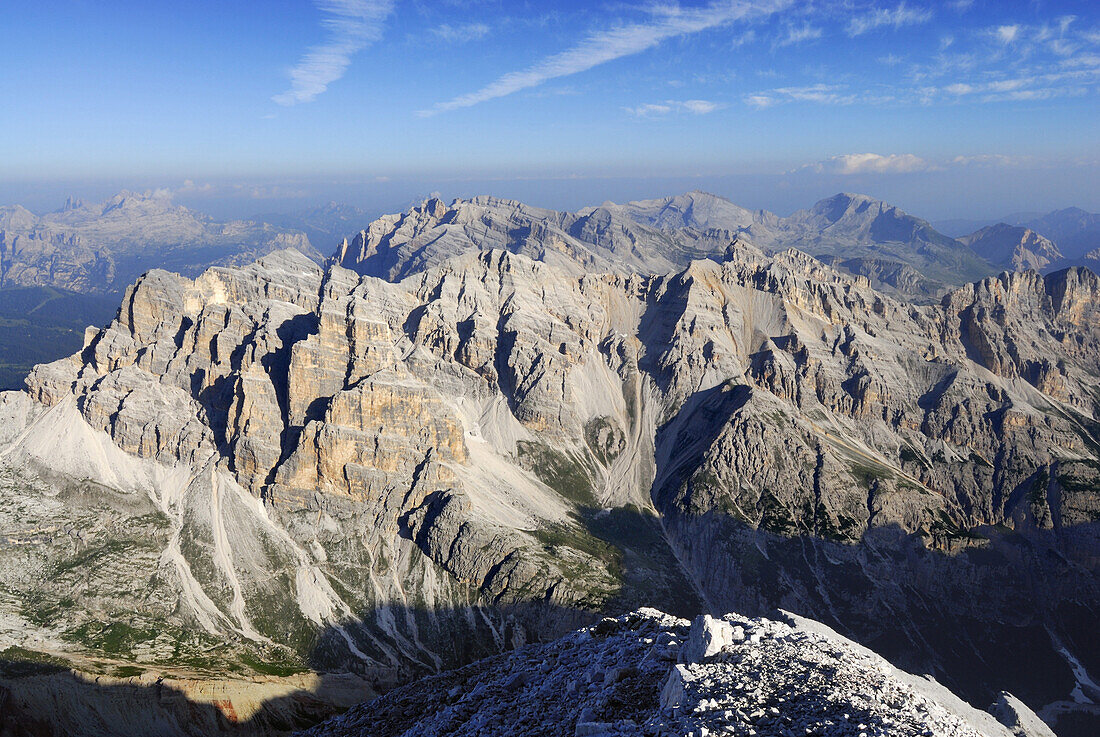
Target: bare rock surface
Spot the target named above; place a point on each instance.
(316, 468)
(857, 233)
(647, 673)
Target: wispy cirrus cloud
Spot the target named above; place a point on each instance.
(461, 33)
(1008, 34)
(820, 93)
(352, 25)
(668, 21)
(695, 107)
(797, 34)
(902, 15)
(649, 109)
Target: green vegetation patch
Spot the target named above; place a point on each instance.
(17, 662)
(911, 455)
(868, 475)
(557, 535)
(38, 608)
(280, 668)
(94, 554)
(775, 517)
(1075, 482)
(562, 473)
(116, 638)
(272, 612)
(844, 529)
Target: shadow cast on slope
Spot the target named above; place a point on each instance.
(1008, 611)
(374, 652)
(40, 696)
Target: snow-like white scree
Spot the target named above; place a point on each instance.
(648, 673)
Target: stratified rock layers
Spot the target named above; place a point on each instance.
(501, 446)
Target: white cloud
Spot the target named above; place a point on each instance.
(700, 107)
(1082, 60)
(1008, 34)
(272, 192)
(1006, 85)
(847, 164)
(850, 164)
(795, 35)
(352, 25)
(958, 88)
(745, 38)
(616, 43)
(643, 111)
(900, 16)
(462, 33)
(819, 93)
(1061, 47)
(695, 107)
(190, 187)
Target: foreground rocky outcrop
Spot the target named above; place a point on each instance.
(647, 673)
(304, 466)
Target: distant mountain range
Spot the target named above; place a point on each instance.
(895, 251)
(103, 247)
(1076, 231)
(325, 225)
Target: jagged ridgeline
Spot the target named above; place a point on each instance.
(287, 467)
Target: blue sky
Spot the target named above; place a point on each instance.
(948, 108)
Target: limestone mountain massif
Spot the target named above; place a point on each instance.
(857, 234)
(483, 424)
(1013, 248)
(1076, 231)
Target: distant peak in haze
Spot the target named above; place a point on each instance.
(72, 203)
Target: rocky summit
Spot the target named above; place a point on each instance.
(482, 425)
(650, 674)
(860, 235)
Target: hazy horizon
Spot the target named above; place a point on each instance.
(923, 195)
(967, 108)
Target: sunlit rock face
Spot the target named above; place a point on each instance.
(302, 465)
